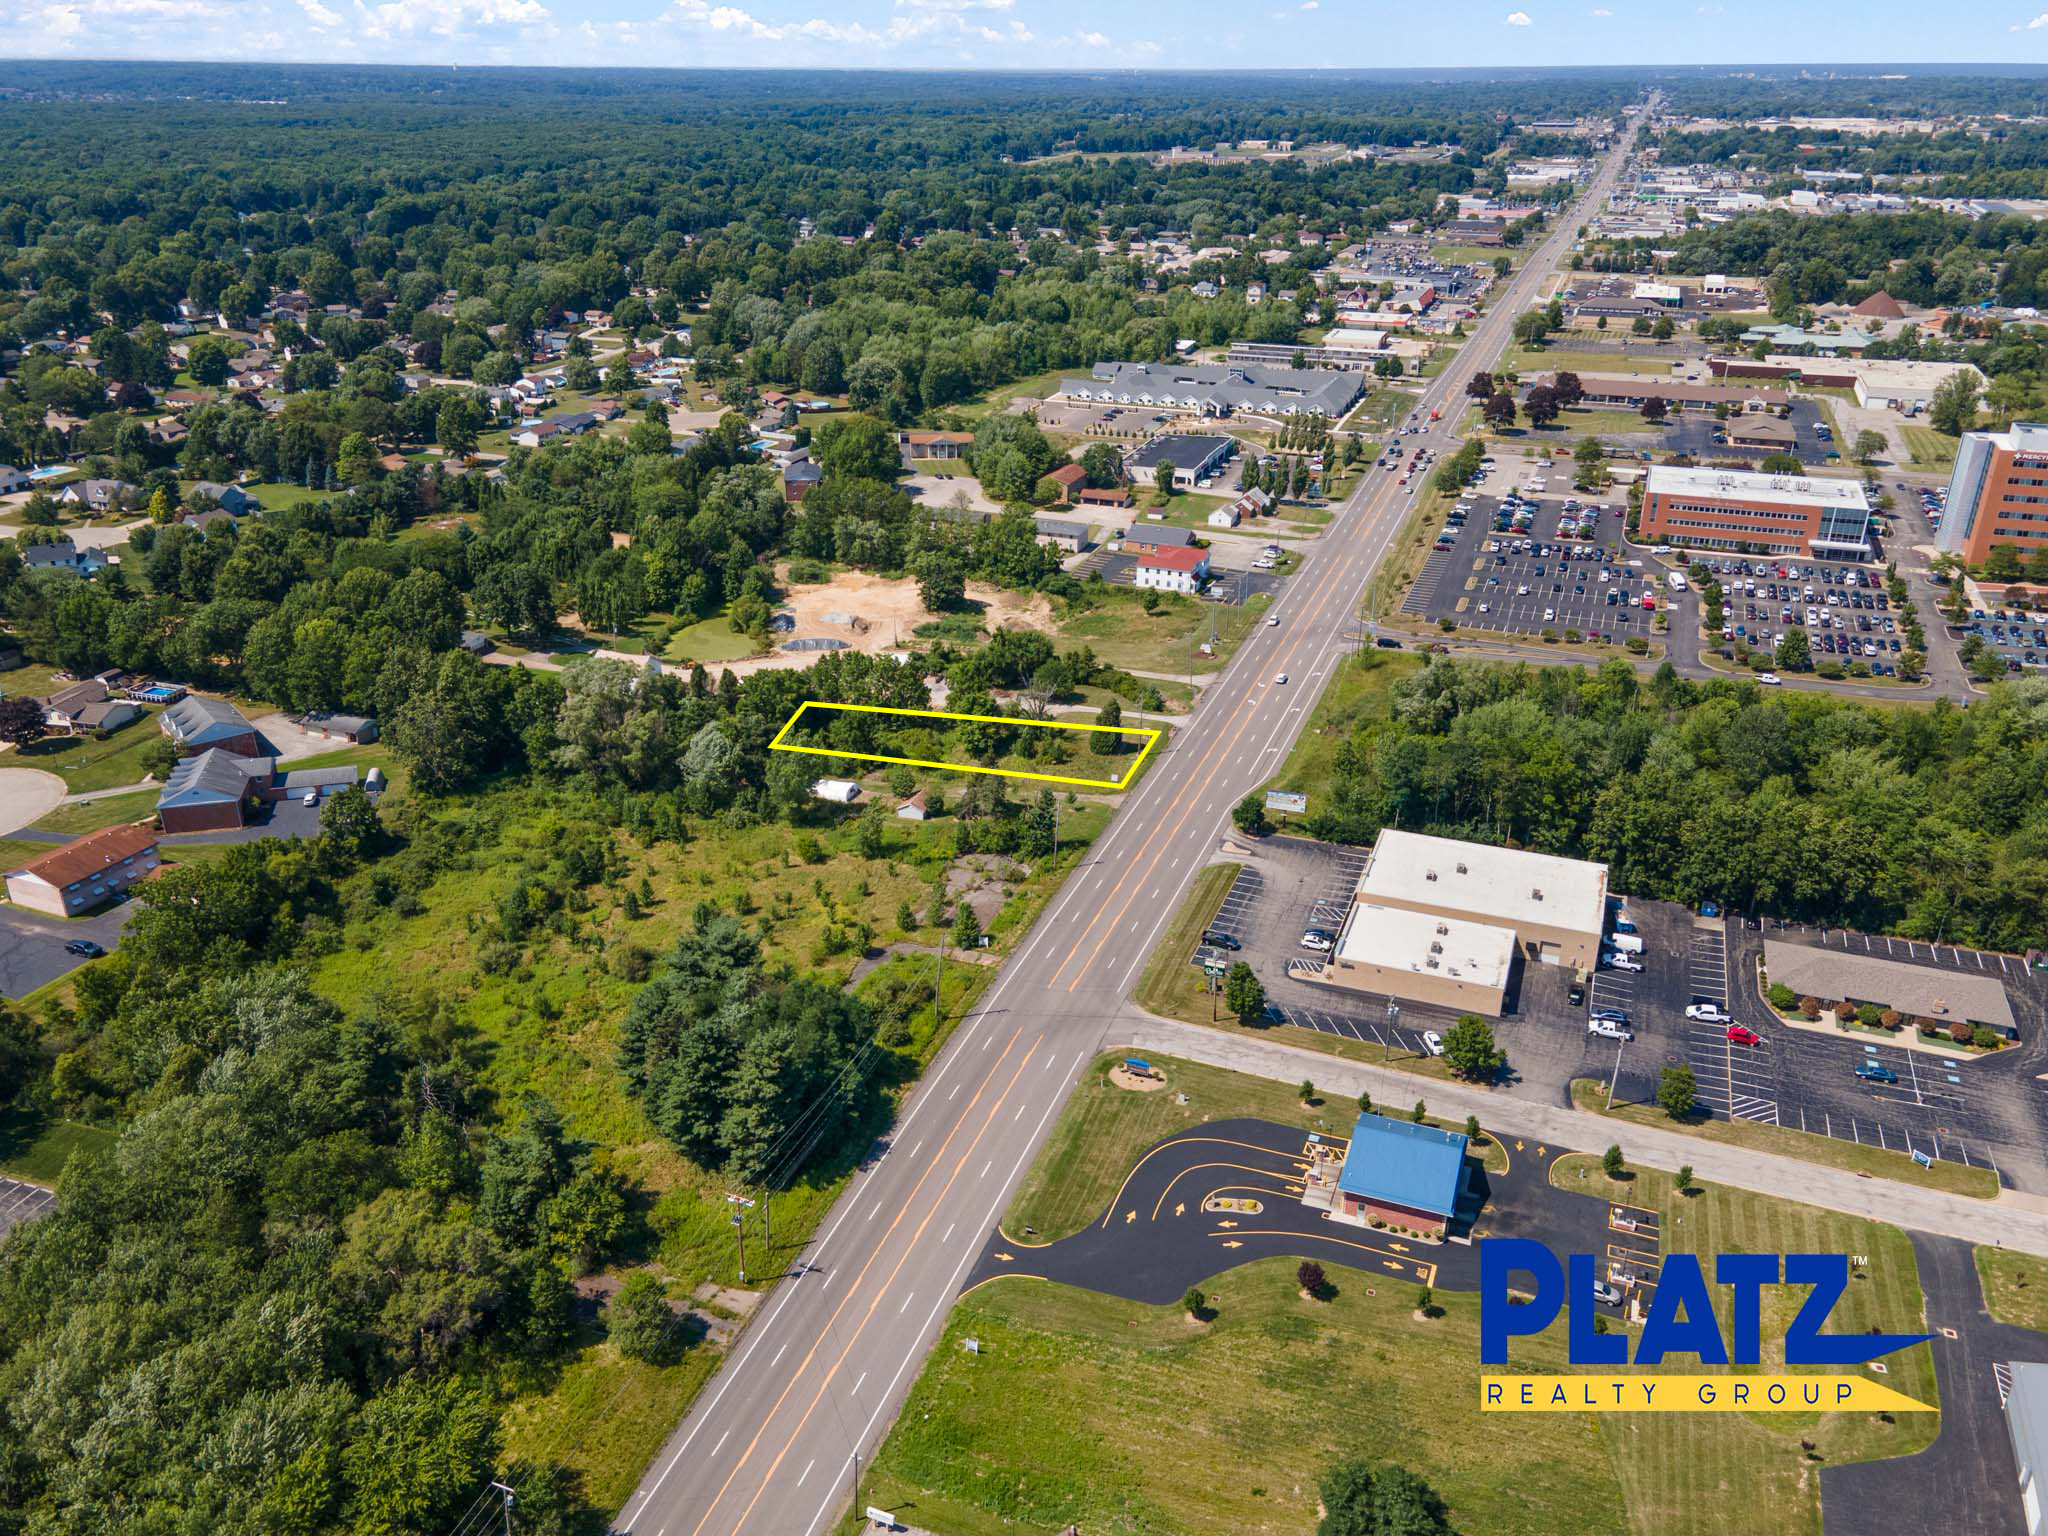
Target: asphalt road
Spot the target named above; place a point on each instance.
(769, 1446)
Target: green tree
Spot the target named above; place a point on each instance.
(1249, 815)
(21, 720)
(1364, 1498)
(1870, 443)
(349, 817)
(357, 461)
(1654, 408)
(639, 1321)
(1794, 653)
(1499, 411)
(1677, 1091)
(1953, 408)
(207, 362)
(1611, 1162)
(941, 582)
(1243, 994)
(418, 1454)
(457, 424)
(857, 446)
(1470, 1050)
(1106, 739)
(966, 927)
(1682, 1181)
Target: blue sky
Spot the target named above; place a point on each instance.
(984, 34)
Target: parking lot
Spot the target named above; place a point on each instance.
(21, 1202)
(1521, 567)
(1840, 604)
(1695, 433)
(1991, 1112)
(1233, 588)
(2020, 639)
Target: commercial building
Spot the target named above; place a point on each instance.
(2026, 1420)
(1906, 387)
(1146, 538)
(210, 792)
(1426, 958)
(1917, 991)
(1193, 458)
(1402, 1174)
(1998, 493)
(1207, 389)
(1733, 509)
(1555, 908)
(1623, 392)
(1172, 570)
(197, 723)
(79, 876)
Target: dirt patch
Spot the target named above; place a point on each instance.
(1131, 1082)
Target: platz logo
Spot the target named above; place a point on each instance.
(1681, 1319)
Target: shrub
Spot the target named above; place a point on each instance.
(1611, 1162)
(1418, 1112)
(1572, 637)
(1869, 1015)
(1783, 998)
(1960, 1032)
(1986, 1039)
(1844, 1011)
(1890, 1018)
(1194, 1303)
(1809, 1007)
(1310, 1274)
(1636, 645)
(1549, 635)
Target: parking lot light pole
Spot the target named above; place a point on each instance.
(1393, 1018)
(1620, 1046)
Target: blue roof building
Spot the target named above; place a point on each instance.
(1405, 1174)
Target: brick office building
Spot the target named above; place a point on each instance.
(1778, 514)
(1998, 493)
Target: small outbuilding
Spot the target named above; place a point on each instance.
(1402, 1174)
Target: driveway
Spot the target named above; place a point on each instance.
(26, 795)
(32, 945)
(288, 742)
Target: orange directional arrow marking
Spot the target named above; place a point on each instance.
(1129, 1217)
(1543, 1151)
(1398, 1247)
(1390, 1264)
(1004, 1257)
(1181, 1209)
(1226, 1223)
(1518, 1146)
(1233, 1243)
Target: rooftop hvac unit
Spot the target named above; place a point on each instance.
(1461, 867)
(1435, 948)
(1429, 875)
(1536, 894)
(1430, 962)
(1443, 927)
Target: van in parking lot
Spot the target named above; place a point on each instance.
(1625, 943)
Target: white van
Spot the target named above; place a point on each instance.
(1625, 943)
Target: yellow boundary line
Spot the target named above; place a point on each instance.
(1283, 1180)
(1151, 735)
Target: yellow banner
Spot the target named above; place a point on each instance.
(1692, 1394)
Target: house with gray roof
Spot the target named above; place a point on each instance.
(210, 792)
(198, 724)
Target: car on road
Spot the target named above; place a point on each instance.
(1709, 1013)
(1737, 1035)
(1607, 1029)
(1768, 679)
(1316, 939)
(1609, 1015)
(1620, 960)
(1874, 1072)
(1273, 621)
(1220, 939)
(1432, 1042)
(1279, 677)
(84, 947)
(1606, 1295)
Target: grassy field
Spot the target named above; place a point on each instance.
(94, 815)
(1979, 1183)
(1927, 448)
(94, 762)
(1359, 689)
(1529, 361)
(1114, 624)
(36, 1149)
(1127, 1419)
(1170, 985)
(708, 640)
(2015, 1287)
(1473, 255)
(1682, 1474)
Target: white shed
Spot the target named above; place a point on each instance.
(838, 791)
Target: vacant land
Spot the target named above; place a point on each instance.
(1170, 984)
(2015, 1287)
(1956, 1178)
(35, 1148)
(1928, 448)
(1530, 361)
(1113, 623)
(1125, 1419)
(94, 762)
(1360, 689)
(1683, 1474)
(94, 815)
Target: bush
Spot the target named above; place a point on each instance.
(1869, 1015)
(1194, 1303)
(1844, 1011)
(1636, 645)
(1809, 1008)
(1960, 1032)
(1572, 637)
(1783, 998)
(1419, 1112)
(1611, 1162)
(1890, 1018)
(1986, 1039)
(1311, 1276)
(638, 1320)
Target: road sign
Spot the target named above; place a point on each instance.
(1292, 805)
(1923, 1159)
(882, 1518)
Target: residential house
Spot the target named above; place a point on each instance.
(1106, 496)
(229, 498)
(938, 445)
(1225, 517)
(1172, 570)
(1069, 478)
(1147, 538)
(167, 432)
(12, 480)
(207, 519)
(78, 876)
(799, 479)
(197, 723)
(87, 709)
(1069, 537)
(99, 496)
(63, 555)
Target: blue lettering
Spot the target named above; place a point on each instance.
(1681, 1285)
(1805, 1344)
(1748, 1274)
(1499, 1257)
(1584, 1346)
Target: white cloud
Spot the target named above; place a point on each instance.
(1601, 10)
(1519, 19)
(956, 5)
(446, 18)
(319, 14)
(1311, 5)
(2035, 25)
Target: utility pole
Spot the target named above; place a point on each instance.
(507, 1492)
(1618, 1049)
(740, 1206)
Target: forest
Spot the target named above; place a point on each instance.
(1926, 823)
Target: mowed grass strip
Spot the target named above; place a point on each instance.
(1127, 1419)
(1171, 979)
(1956, 1178)
(1685, 1473)
(2015, 1287)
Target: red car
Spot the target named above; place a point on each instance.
(1743, 1036)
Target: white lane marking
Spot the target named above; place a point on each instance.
(906, 1303)
(949, 1235)
(778, 1355)
(806, 1471)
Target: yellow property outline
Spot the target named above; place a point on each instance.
(1151, 740)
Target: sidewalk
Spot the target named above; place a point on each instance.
(2010, 1221)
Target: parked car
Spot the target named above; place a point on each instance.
(1609, 1015)
(1620, 960)
(1873, 1072)
(1433, 1042)
(1577, 994)
(84, 947)
(1315, 938)
(1220, 939)
(1607, 1029)
(1740, 1036)
(1606, 1295)
(1709, 1013)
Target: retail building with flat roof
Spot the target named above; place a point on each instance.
(1738, 509)
(1424, 957)
(1556, 908)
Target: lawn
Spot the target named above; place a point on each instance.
(1359, 689)
(708, 640)
(95, 762)
(1529, 361)
(1126, 1419)
(36, 1149)
(1956, 1178)
(1927, 448)
(2015, 1287)
(1682, 1473)
(1171, 985)
(93, 815)
(1036, 387)
(1473, 255)
(1112, 622)
(282, 495)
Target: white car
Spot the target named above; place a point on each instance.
(1768, 679)
(1620, 960)
(1315, 938)
(1273, 622)
(1607, 1029)
(311, 797)
(1486, 607)
(1709, 1013)
(1433, 1042)
(1279, 677)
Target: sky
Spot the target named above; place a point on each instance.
(1027, 34)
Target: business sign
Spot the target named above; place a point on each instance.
(1292, 805)
(1680, 1322)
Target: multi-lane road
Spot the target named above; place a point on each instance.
(770, 1446)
